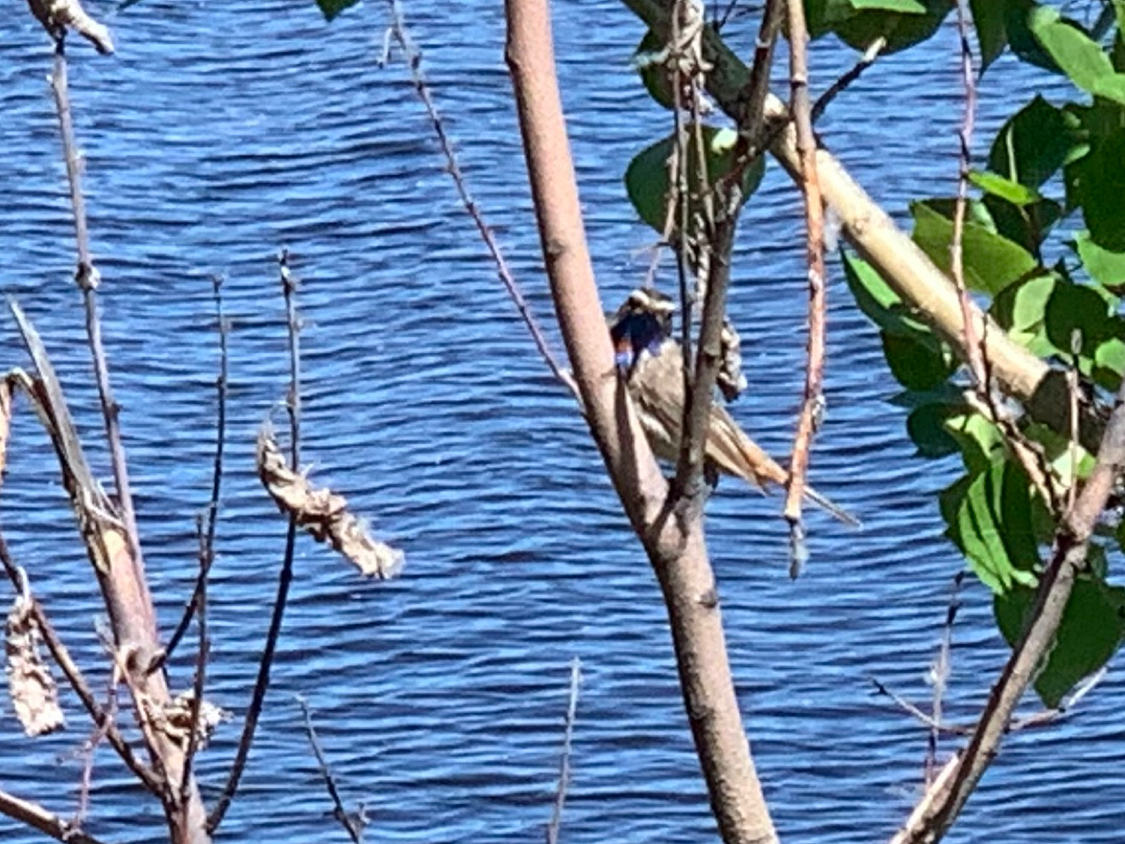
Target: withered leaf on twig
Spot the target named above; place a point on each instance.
(174, 718)
(323, 513)
(35, 697)
(57, 15)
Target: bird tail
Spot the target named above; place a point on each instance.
(734, 451)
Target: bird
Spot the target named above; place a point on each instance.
(650, 361)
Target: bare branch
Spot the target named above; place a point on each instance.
(88, 279)
(564, 760)
(939, 675)
(677, 551)
(813, 404)
(212, 513)
(973, 347)
(353, 823)
(414, 62)
(945, 799)
(46, 822)
(285, 577)
(199, 682)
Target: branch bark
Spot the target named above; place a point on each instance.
(943, 803)
(877, 239)
(675, 547)
(814, 255)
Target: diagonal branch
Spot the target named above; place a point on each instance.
(943, 803)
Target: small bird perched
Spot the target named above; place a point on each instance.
(652, 364)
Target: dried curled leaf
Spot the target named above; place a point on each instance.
(730, 378)
(323, 513)
(35, 697)
(174, 718)
(57, 15)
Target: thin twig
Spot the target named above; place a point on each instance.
(212, 512)
(813, 404)
(956, 252)
(935, 725)
(680, 75)
(865, 61)
(352, 823)
(285, 577)
(564, 760)
(199, 683)
(421, 86)
(88, 278)
(939, 675)
(1036, 719)
(753, 95)
(1075, 399)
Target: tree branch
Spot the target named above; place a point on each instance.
(879, 241)
(677, 552)
(34, 815)
(285, 577)
(812, 406)
(944, 801)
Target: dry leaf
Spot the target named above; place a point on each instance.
(323, 513)
(35, 697)
(174, 719)
(57, 15)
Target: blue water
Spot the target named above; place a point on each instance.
(222, 131)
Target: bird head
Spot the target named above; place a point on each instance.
(642, 323)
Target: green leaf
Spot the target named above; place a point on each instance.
(1034, 143)
(1004, 188)
(1090, 632)
(1021, 310)
(654, 74)
(646, 178)
(1020, 38)
(882, 305)
(1109, 362)
(1099, 187)
(902, 26)
(992, 525)
(909, 7)
(991, 262)
(916, 365)
(1103, 265)
(1074, 307)
(926, 427)
(980, 441)
(1079, 56)
(331, 8)
(988, 21)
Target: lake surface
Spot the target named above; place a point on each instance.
(222, 131)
